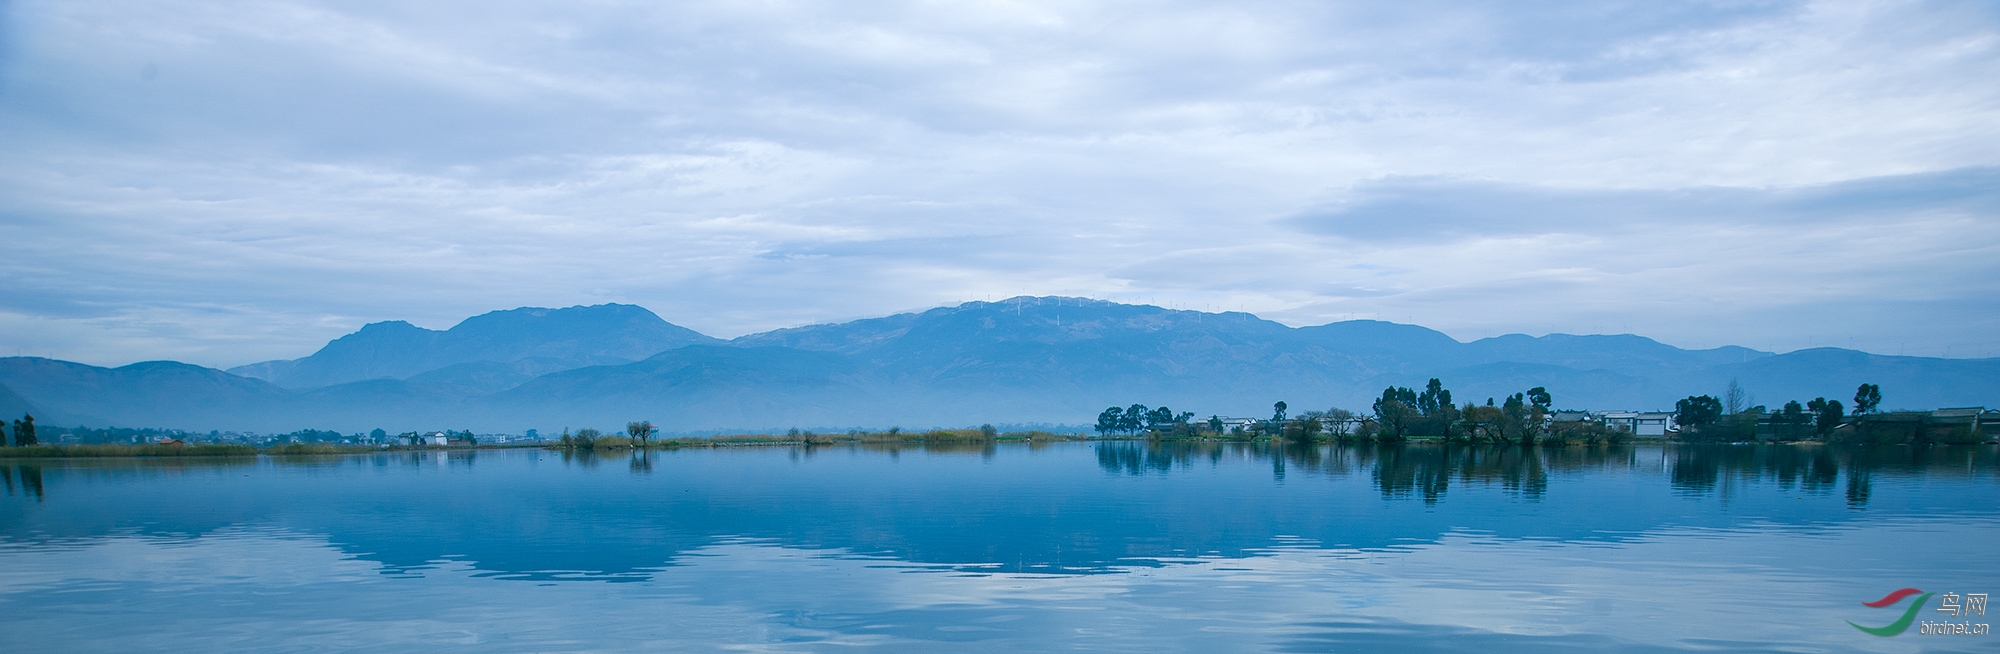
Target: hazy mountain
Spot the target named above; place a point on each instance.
(145, 394)
(1058, 360)
(1907, 382)
(1584, 389)
(547, 339)
(13, 406)
(1624, 353)
(701, 387)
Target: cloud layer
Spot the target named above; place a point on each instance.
(223, 182)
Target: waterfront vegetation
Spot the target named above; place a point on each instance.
(1527, 418)
(582, 439)
(1400, 415)
(592, 439)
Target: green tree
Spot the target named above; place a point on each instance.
(1514, 420)
(1434, 398)
(1478, 422)
(640, 431)
(1215, 424)
(1697, 412)
(1309, 425)
(1110, 420)
(1394, 412)
(1134, 419)
(1791, 421)
(1541, 399)
(1866, 398)
(24, 431)
(1825, 415)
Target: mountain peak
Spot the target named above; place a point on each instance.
(390, 327)
(560, 338)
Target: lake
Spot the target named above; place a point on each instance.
(1090, 546)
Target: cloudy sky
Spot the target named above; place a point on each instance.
(224, 182)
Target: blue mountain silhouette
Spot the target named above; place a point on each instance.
(1022, 360)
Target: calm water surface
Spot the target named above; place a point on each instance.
(1075, 546)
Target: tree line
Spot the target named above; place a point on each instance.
(637, 435)
(1399, 414)
(1726, 419)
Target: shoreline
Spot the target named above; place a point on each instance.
(158, 451)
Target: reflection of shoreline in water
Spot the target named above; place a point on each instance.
(1066, 508)
(1428, 470)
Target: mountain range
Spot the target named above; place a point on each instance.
(1023, 360)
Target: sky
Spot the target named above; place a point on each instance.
(224, 182)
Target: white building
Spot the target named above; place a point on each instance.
(1646, 423)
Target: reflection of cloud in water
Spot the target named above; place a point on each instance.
(1756, 587)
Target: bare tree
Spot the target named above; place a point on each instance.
(1735, 400)
(1339, 422)
(640, 430)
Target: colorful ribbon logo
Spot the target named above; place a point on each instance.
(1901, 624)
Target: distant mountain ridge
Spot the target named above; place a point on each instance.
(498, 347)
(1026, 359)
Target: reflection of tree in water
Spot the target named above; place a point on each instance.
(1696, 469)
(1398, 470)
(1858, 487)
(1817, 468)
(1138, 459)
(1862, 462)
(1812, 469)
(1518, 469)
(31, 480)
(642, 462)
(1401, 470)
(580, 457)
(1427, 471)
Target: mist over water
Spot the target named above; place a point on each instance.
(1104, 546)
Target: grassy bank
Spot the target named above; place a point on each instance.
(880, 438)
(103, 451)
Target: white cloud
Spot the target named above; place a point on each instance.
(744, 166)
